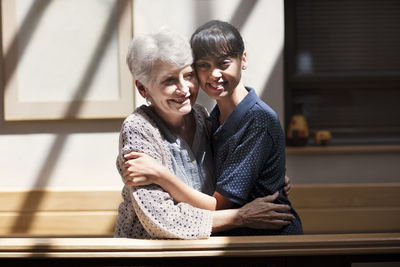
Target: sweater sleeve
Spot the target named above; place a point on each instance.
(162, 218)
(158, 213)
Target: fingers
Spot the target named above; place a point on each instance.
(287, 180)
(127, 179)
(286, 187)
(279, 207)
(283, 216)
(286, 190)
(136, 181)
(271, 198)
(133, 155)
(140, 179)
(128, 163)
(128, 176)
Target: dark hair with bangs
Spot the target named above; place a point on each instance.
(217, 39)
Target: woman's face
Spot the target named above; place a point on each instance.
(173, 90)
(220, 76)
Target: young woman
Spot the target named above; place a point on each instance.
(170, 138)
(247, 138)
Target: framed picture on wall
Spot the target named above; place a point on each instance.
(65, 59)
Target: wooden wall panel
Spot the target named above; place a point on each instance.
(324, 209)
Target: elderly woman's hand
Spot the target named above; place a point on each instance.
(141, 169)
(262, 213)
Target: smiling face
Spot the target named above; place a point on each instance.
(219, 76)
(172, 90)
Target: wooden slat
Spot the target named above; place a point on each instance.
(355, 220)
(46, 212)
(214, 246)
(335, 208)
(346, 195)
(348, 208)
(71, 223)
(58, 200)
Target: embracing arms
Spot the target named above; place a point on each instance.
(164, 216)
(140, 169)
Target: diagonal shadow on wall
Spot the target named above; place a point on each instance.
(17, 50)
(238, 19)
(28, 27)
(20, 225)
(273, 87)
(242, 13)
(274, 81)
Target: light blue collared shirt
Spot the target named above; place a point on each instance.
(193, 165)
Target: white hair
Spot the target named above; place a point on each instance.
(165, 45)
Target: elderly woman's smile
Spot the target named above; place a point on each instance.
(181, 101)
(173, 90)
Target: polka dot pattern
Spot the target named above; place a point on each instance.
(249, 152)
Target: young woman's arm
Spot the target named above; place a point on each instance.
(141, 169)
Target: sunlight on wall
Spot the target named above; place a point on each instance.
(61, 56)
(67, 157)
(85, 160)
(260, 23)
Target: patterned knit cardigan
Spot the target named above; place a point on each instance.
(149, 211)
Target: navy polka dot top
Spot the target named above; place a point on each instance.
(249, 153)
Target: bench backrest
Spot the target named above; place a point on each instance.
(324, 209)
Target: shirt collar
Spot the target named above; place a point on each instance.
(234, 119)
(162, 127)
(166, 132)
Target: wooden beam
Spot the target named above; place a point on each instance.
(304, 250)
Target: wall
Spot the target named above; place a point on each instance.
(81, 154)
(346, 167)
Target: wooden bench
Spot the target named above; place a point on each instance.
(348, 208)
(324, 209)
(306, 250)
(344, 224)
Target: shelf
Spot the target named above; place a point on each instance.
(336, 149)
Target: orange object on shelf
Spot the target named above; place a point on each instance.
(322, 137)
(298, 133)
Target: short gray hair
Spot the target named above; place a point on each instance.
(165, 45)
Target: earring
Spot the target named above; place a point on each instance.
(148, 102)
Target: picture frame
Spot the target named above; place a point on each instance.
(65, 59)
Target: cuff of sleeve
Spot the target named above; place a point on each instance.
(206, 225)
(231, 197)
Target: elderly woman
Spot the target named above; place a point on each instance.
(172, 130)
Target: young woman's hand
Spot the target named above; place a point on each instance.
(262, 213)
(141, 169)
(286, 188)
